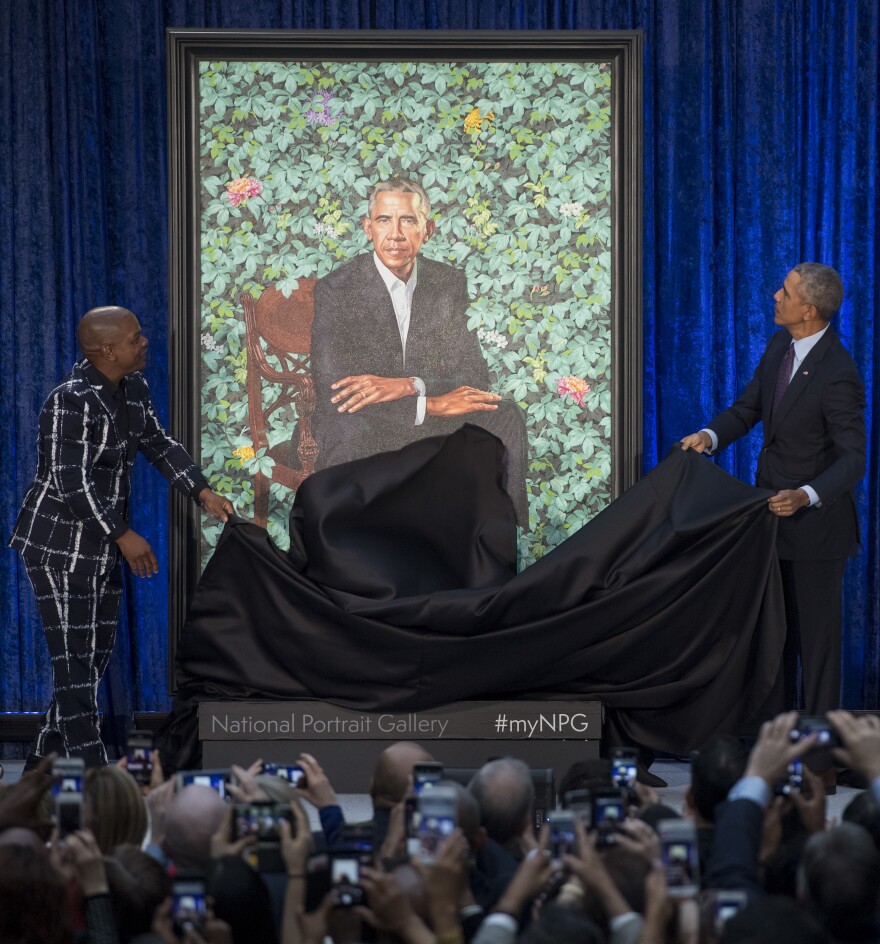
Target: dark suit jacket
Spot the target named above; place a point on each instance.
(78, 502)
(355, 332)
(816, 437)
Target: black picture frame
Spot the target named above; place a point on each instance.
(187, 48)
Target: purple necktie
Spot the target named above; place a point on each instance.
(783, 377)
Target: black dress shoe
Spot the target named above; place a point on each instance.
(643, 775)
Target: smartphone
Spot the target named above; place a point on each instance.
(292, 773)
(357, 838)
(261, 820)
(826, 736)
(624, 768)
(345, 876)
(189, 906)
(728, 902)
(68, 779)
(793, 782)
(139, 754)
(578, 801)
(215, 779)
(438, 817)
(426, 775)
(563, 838)
(68, 775)
(680, 856)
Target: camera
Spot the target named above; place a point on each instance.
(680, 856)
(425, 775)
(215, 779)
(68, 777)
(345, 876)
(139, 754)
(437, 810)
(261, 820)
(624, 769)
(292, 773)
(793, 782)
(189, 906)
(563, 838)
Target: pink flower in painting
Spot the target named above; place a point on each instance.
(572, 387)
(239, 190)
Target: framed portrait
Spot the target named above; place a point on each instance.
(527, 149)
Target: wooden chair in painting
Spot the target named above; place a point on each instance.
(282, 328)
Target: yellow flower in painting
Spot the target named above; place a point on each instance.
(474, 122)
(246, 452)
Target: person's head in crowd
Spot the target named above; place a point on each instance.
(586, 775)
(391, 774)
(864, 811)
(18, 836)
(138, 886)
(715, 768)
(561, 924)
(628, 870)
(192, 818)
(506, 795)
(840, 882)
(772, 919)
(241, 899)
(114, 808)
(781, 868)
(33, 906)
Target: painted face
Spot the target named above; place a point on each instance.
(397, 228)
(790, 307)
(131, 347)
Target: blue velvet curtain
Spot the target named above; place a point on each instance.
(761, 150)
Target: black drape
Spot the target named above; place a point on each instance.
(400, 593)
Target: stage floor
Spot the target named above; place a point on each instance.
(357, 806)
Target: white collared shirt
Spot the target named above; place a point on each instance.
(401, 298)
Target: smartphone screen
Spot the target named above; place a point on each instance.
(680, 857)
(139, 754)
(214, 779)
(437, 818)
(426, 775)
(623, 771)
(292, 773)
(68, 775)
(345, 874)
(563, 838)
(189, 907)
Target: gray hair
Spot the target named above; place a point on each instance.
(821, 287)
(401, 185)
(505, 792)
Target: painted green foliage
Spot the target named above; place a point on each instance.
(516, 161)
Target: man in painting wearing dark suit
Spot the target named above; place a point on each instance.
(73, 524)
(809, 396)
(393, 360)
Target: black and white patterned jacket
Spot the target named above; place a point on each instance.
(78, 503)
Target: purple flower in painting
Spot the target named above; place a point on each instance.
(319, 112)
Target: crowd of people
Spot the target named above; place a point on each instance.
(162, 862)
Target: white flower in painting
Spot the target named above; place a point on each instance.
(209, 343)
(495, 338)
(572, 209)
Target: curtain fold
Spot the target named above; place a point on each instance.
(761, 150)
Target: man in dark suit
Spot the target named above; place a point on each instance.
(807, 393)
(393, 360)
(73, 524)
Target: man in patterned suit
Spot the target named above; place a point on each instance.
(73, 524)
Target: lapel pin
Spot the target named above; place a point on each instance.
(806, 372)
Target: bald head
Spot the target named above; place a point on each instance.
(392, 771)
(110, 337)
(100, 326)
(192, 818)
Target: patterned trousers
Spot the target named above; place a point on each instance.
(79, 619)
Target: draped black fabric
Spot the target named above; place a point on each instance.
(761, 149)
(400, 593)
